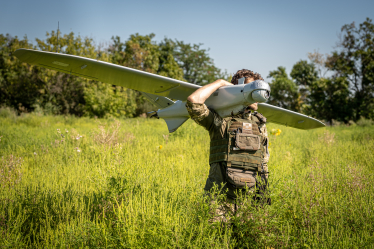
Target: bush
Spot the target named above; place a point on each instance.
(104, 101)
(365, 122)
(351, 123)
(8, 112)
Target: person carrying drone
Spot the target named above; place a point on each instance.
(238, 145)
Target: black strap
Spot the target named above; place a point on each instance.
(260, 117)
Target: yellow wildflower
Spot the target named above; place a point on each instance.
(275, 132)
(160, 147)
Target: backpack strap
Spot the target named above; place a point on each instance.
(260, 117)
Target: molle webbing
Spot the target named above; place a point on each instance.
(222, 149)
(218, 150)
(247, 163)
(236, 124)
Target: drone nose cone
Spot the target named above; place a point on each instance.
(257, 91)
(260, 95)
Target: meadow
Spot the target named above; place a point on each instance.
(70, 182)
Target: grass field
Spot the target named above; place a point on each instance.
(86, 183)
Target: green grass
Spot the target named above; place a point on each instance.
(130, 186)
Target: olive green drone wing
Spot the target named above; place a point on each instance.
(158, 89)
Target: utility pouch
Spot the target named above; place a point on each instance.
(245, 141)
(239, 178)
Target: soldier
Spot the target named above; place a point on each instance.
(238, 144)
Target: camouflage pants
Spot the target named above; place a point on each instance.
(221, 211)
(224, 208)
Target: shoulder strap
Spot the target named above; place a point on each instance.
(260, 117)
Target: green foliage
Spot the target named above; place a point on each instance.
(68, 94)
(304, 75)
(103, 183)
(365, 122)
(330, 99)
(355, 61)
(30, 88)
(284, 91)
(323, 98)
(140, 52)
(198, 67)
(347, 94)
(168, 66)
(19, 83)
(8, 112)
(103, 100)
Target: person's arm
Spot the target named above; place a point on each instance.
(199, 112)
(203, 93)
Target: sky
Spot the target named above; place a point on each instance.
(256, 35)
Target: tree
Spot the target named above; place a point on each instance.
(319, 62)
(198, 67)
(26, 87)
(284, 91)
(20, 84)
(69, 94)
(142, 53)
(323, 98)
(330, 99)
(168, 66)
(354, 60)
(29, 87)
(304, 75)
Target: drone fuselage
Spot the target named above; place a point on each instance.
(226, 101)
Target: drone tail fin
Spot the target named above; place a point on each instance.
(174, 123)
(175, 115)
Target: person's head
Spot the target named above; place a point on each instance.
(249, 77)
(248, 74)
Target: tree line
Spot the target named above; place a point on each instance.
(337, 86)
(32, 88)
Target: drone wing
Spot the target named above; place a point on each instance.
(282, 116)
(108, 73)
(154, 85)
(159, 101)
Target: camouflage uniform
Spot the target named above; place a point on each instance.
(214, 124)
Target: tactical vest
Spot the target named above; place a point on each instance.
(242, 145)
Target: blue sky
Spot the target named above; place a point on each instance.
(257, 35)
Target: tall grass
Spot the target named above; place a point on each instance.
(72, 183)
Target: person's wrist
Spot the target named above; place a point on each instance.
(224, 83)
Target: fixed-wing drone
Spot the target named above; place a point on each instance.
(160, 90)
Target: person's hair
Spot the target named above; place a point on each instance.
(245, 73)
